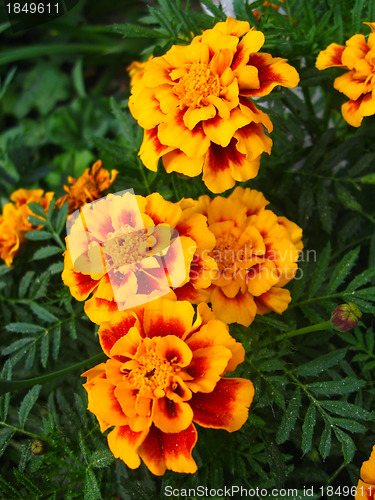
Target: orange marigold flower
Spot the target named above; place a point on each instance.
(136, 70)
(366, 485)
(194, 105)
(256, 253)
(131, 274)
(358, 83)
(90, 186)
(13, 221)
(165, 372)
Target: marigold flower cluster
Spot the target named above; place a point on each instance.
(358, 58)
(166, 371)
(366, 485)
(194, 105)
(14, 223)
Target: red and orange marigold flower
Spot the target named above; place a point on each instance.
(165, 373)
(194, 105)
(127, 227)
(89, 187)
(256, 252)
(14, 223)
(357, 57)
(366, 485)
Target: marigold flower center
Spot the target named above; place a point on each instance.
(149, 371)
(126, 249)
(196, 85)
(227, 253)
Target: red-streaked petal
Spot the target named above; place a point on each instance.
(100, 310)
(171, 416)
(152, 149)
(161, 451)
(208, 364)
(241, 309)
(174, 350)
(249, 44)
(329, 57)
(168, 318)
(104, 404)
(276, 299)
(80, 285)
(124, 444)
(110, 333)
(272, 71)
(226, 407)
(177, 161)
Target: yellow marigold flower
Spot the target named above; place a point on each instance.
(358, 83)
(118, 224)
(366, 485)
(136, 70)
(256, 253)
(193, 104)
(13, 221)
(165, 372)
(90, 186)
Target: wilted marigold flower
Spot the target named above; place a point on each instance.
(89, 187)
(258, 13)
(165, 373)
(194, 105)
(366, 485)
(358, 58)
(127, 227)
(13, 221)
(256, 252)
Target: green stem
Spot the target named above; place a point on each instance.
(301, 331)
(18, 429)
(11, 385)
(143, 174)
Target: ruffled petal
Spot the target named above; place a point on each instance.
(168, 318)
(331, 56)
(226, 407)
(276, 299)
(124, 444)
(241, 309)
(171, 416)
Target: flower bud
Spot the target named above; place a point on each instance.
(345, 317)
(38, 447)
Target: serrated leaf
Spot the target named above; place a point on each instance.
(367, 179)
(123, 120)
(24, 328)
(27, 403)
(325, 441)
(29, 361)
(336, 387)
(289, 418)
(5, 438)
(92, 491)
(38, 235)
(56, 268)
(27, 483)
(347, 444)
(56, 342)
(134, 31)
(345, 409)
(35, 221)
(44, 350)
(308, 428)
(324, 208)
(319, 274)
(15, 346)
(101, 458)
(347, 199)
(37, 209)
(43, 313)
(363, 305)
(342, 270)
(361, 279)
(45, 252)
(62, 217)
(350, 425)
(24, 283)
(8, 491)
(320, 364)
